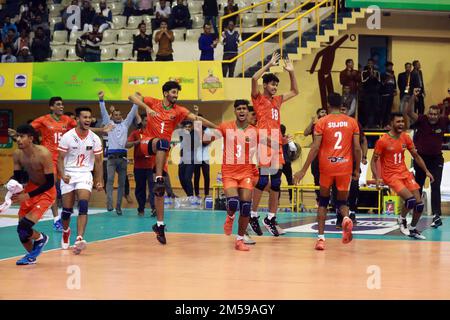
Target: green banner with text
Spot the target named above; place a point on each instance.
(433, 5)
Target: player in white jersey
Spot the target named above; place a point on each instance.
(80, 152)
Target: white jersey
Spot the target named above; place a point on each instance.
(80, 153)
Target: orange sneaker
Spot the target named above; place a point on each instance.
(347, 226)
(228, 225)
(320, 244)
(241, 246)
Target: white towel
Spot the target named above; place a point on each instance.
(13, 187)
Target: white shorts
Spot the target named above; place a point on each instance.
(78, 181)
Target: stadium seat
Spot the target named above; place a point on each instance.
(74, 35)
(195, 7)
(222, 4)
(119, 22)
(71, 55)
(179, 34)
(53, 20)
(147, 19)
(260, 9)
(59, 37)
(125, 36)
(249, 21)
(110, 36)
(59, 53)
(197, 22)
(289, 5)
(133, 22)
(275, 6)
(192, 35)
(55, 10)
(124, 53)
(96, 6)
(108, 53)
(116, 7)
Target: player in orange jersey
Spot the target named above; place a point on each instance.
(336, 140)
(163, 116)
(390, 150)
(39, 193)
(240, 144)
(267, 107)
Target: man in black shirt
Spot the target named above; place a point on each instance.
(388, 91)
(420, 104)
(371, 84)
(142, 43)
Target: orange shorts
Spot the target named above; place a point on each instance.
(39, 204)
(239, 182)
(342, 182)
(398, 184)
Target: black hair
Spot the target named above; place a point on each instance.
(52, 100)
(169, 85)
(26, 129)
(143, 116)
(407, 64)
(318, 110)
(389, 63)
(251, 109)
(140, 24)
(370, 59)
(79, 110)
(283, 129)
(415, 63)
(69, 114)
(240, 102)
(269, 77)
(348, 60)
(395, 115)
(206, 24)
(334, 100)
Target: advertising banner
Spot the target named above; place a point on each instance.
(15, 81)
(211, 81)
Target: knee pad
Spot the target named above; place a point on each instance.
(162, 145)
(160, 189)
(82, 207)
(25, 229)
(410, 203)
(324, 201)
(275, 181)
(263, 181)
(340, 203)
(246, 207)
(419, 207)
(233, 204)
(66, 213)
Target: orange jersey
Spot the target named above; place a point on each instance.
(164, 123)
(52, 130)
(268, 113)
(392, 155)
(336, 149)
(240, 146)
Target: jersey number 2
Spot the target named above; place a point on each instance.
(338, 145)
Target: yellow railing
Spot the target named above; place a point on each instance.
(279, 31)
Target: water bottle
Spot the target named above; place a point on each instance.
(208, 203)
(219, 178)
(166, 202)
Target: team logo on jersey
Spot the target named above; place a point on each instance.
(438, 131)
(88, 147)
(172, 117)
(20, 81)
(337, 159)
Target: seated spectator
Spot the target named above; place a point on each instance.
(230, 8)
(93, 40)
(7, 25)
(24, 55)
(10, 38)
(22, 41)
(40, 48)
(87, 16)
(144, 7)
(2, 47)
(162, 13)
(8, 57)
(230, 48)
(206, 43)
(39, 10)
(43, 25)
(164, 38)
(210, 13)
(180, 17)
(129, 9)
(25, 21)
(142, 43)
(103, 18)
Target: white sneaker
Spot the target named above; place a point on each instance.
(280, 230)
(416, 235)
(403, 227)
(80, 245)
(248, 240)
(65, 240)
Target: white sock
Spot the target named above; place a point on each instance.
(40, 238)
(56, 219)
(239, 237)
(231, 217)
(254, 214)
(401, 218)
(321, 236)
(66, 230)
(411, 227)
(159, 223)
(270, 215)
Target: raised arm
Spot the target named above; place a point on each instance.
(311, 156)
(105, 116)
(139, 101)
(260, 72)
(289, 67)
(131, 115)
(409, 109)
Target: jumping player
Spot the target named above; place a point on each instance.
(39, 193)
(390, 150)
(336, 140)
(80, 152)
(267, 107)
(240, 143)
(163, 116)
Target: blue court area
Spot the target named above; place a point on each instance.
(107, 225)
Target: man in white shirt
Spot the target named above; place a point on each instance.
(162, 13)
(80, 152)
